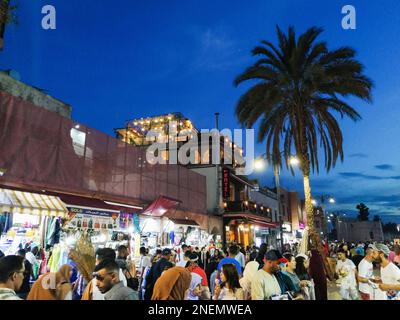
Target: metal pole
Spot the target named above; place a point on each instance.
(278, 194)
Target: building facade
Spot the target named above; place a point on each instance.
(43, 150)
(355, 231)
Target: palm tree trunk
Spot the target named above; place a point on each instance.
(308, 204)
(314, 237)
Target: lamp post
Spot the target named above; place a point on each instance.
(259, 165)
(322, 200)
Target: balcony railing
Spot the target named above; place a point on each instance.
(248, 207)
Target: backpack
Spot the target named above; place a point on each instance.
(132, 282)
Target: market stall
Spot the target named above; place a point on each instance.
(178, 231)
(28, 217)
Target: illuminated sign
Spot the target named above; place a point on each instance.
(225, 183)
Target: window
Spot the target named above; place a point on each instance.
(78, 141)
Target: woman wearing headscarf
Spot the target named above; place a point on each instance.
(317, 273)
(248, 274)
(53, 286)
(172, 284)
(195, 288)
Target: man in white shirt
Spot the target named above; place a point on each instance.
(184, 248)
(241, 258)
(365, 273)
(390, 273)
(346, 269)
(264, 284)
(185, 260)
(145, 261)
(12, 270)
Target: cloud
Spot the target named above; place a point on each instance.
(359, 175)
(366, 176)
(392, 200)
(358, 155)
(384, 167)
(216, 49)
(212, 40)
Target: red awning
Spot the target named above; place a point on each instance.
(254, 219)
(160, 206)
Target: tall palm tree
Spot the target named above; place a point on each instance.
(7, 16)
(298, 87)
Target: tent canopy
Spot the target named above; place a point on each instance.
(15, 201)
(160, 206)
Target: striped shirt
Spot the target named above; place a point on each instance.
(8, 294)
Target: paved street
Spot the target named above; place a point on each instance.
(333, 292)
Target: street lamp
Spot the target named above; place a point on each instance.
(314, 202)
(259, 164)
(294, 161)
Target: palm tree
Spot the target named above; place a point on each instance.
(299, 86)
(7, 16)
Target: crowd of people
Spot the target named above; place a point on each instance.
(363, 271)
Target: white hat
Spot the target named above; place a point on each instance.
(302, 255)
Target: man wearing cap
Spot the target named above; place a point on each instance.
(155, 272)
(265, 284)
(390, 274)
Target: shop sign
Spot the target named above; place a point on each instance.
(286, 227)
(84, 218)
(225, 183)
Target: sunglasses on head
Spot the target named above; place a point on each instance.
(99, 277)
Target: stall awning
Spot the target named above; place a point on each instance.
(254, 219)
(87, 203)
(160, 206)
(185, 222)
(15, 201)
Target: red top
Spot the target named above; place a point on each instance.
(202, 274)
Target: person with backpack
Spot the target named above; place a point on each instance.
(128, 268)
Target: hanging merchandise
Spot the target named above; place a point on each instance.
(53, 232)
(84, 256)
(6, 222)
(136, 223)
(125, 220)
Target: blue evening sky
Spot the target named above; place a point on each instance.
(118, 60)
